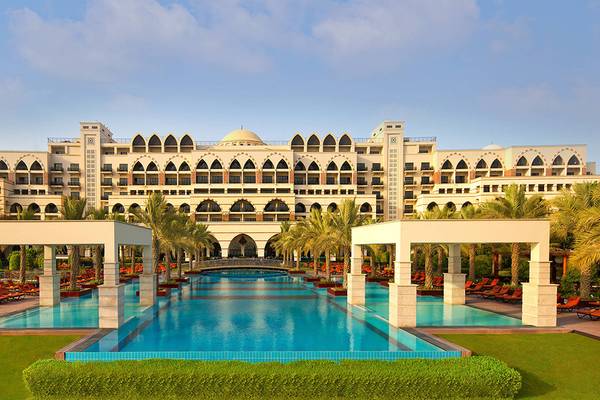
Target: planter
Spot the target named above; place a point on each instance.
(75, 293)
(384, 283)
(131, 276)
(159, 292)
(430, 292)
(296, 272)
(321, 285)
(124, 279)
(337, 291)
(183, 280)
(192, 272)
(311, 279)
(90, 285)
(169, 285)
(377, 278)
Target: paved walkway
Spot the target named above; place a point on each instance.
(565, 320)
(17, 306)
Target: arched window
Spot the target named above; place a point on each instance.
(432, 206)
(300, 208)
(21, 166)
(242, 206)
(313, 166)
(170, 167)
(315, 206)
(138, 144)
(332, 207)
(366, 208)
(345, 143)
(537, 161)
(186, 144)
(346, 166)
(447, 165)
(15, 208)
(170, 207)
(202, 165)
(154, 144)
(216, 165)
(558, 161)
(134, 208)
(299, 166)
(282, 165)
(462, 165)
(152, 167)
(51, 209)
(184, 208)
(522, 162)
(329, 143)
(3, 166)
(313, 143)
(208, 206)
(467, 204)
(34, 208)
(235, 164)
(451, 206)
(496, 164)
(184, 166)
(332, 167)
(170, 144)
(573, 160)
(268, 164)
(481, 164)
(35, 166)
(249, 165)
(137, 167)
(118, 209)
(276, 206)
(298, 143)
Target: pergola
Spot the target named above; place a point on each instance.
(111, 235)
(539, 295)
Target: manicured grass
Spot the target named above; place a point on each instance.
(553, 366)
(17, 353)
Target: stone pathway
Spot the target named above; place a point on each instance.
(18, 306)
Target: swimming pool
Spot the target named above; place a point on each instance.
(255, 315)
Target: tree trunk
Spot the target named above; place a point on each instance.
(494, 262)
(168, 265)
(472, 262)
(315, 263)
(190, 262)
(23, 263)
(345, 277)
(123, 263)
(132, 258)
(327, 265)
(514, 264)
(585, 283)
(298, 259)
(179, 262)
(428, 269)
(440, 261)
(74, 258)
(98, 262)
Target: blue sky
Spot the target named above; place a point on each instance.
(469, 72)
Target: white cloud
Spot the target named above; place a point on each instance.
(389, 32)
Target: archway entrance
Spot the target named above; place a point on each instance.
(270, 251)
(215, 252)
(242, 246)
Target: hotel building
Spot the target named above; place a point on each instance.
(243, 187)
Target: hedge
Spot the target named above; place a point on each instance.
(461, 378)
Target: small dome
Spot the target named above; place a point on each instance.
(241, 137)
(492, 146)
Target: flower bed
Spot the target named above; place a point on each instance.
(337, 291)
(296, 272)
(75, 293)
(459, 378)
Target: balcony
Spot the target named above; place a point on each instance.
(56, 182)
(56, 168)
(235, 179)
(345, 181)
(151, 181)
(331, 181)
(267, 179)
(216, 179)
(74, 183)
(410, 168)
(250, 179)
(37, 181)
(106, 182)
(283, 179)
(122, 182)
(203, 179)
(426, 168)
(122, 168)
(185, 181)
(377, 168)
(313, 181)
(106, 168)
(362, 168)
(376, 182)
(73, 168)
(426, 182)
(104, 197)
(139, 181)
(409, 182)
(171, 181)
(299, 181)
(362, 182)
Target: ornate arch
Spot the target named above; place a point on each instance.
(530, 159)
(144, 164)
(461, 156)
(27, 162)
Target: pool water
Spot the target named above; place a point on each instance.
(255, 315)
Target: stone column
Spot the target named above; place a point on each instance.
(260, 251)
(50, 281)
(147, 279)
(403, 294)
(454, 281)
(111, 295)
(356, 279)
(539, 295)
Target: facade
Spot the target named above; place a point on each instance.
(244, 187)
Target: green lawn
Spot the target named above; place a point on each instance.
(553, 366)
(17, 353)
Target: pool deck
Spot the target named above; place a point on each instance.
(7, 309)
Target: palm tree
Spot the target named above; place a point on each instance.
(98, 214)
(428, 248)
(470, 212)
(73, 209)
(346, 217)
(311, 230)
(280, 241)
(157, 217)
(515, 205)
(24, 215)
(587, 248)
(202, 239)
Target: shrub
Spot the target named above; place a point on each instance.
(14, 260)
(473, 377)
(569, 283)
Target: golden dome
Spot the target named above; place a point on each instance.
(241, 137)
